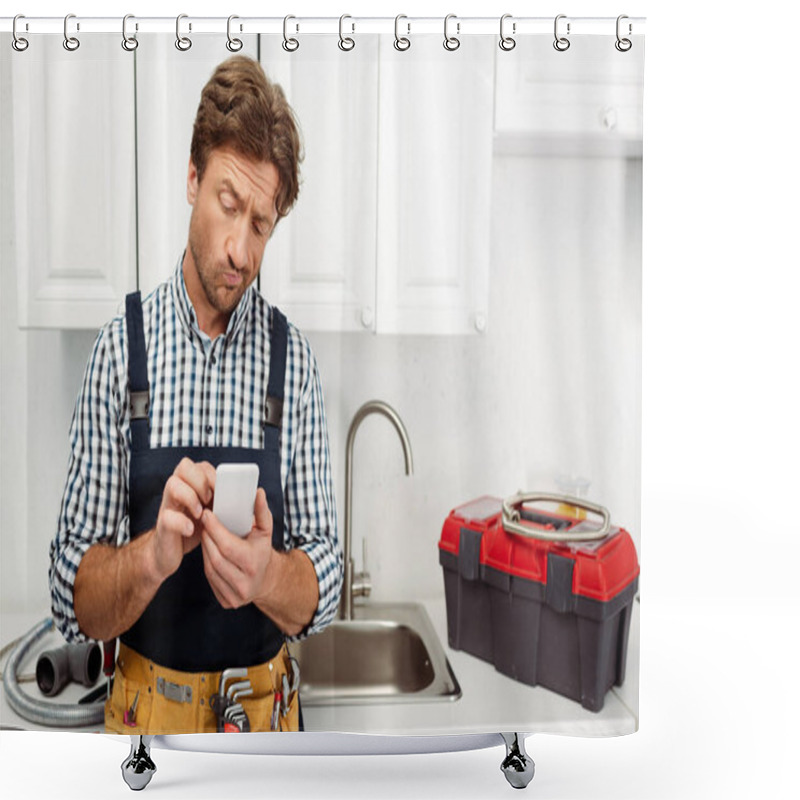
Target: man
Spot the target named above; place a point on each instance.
(203, 371)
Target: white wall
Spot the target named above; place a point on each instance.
(552, 388)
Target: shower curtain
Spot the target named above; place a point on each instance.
(466, 247)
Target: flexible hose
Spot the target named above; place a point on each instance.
(54, 715)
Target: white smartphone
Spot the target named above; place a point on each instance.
(235, 496)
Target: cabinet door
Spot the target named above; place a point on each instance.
(434, 179)
(585, 101)
(320, 264)
(74, 181)
(168, 87)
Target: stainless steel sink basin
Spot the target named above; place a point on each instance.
(386, 653)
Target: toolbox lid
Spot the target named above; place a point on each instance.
(601, 569)
(478, 515)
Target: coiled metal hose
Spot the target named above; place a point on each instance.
(54, 715)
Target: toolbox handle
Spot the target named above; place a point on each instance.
(512, 524)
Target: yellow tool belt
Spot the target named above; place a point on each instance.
(171, 701)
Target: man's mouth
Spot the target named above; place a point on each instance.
(232, 279)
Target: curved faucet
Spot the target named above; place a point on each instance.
(350, 589)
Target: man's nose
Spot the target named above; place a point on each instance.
(237, 242)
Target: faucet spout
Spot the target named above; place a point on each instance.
(370, 407)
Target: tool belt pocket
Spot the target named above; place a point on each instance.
(269, 707)
(274, 704)
(128, 694)
(291, 720)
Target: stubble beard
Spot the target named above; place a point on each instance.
(223, 302)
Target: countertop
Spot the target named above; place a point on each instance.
(490, 701)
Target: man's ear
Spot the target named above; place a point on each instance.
(191, 183)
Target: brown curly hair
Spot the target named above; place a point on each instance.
(241, 108)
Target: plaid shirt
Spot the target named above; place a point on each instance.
(202, 392)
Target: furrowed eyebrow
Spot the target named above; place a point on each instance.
(227, 185)
(259, 219)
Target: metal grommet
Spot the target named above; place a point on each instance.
(451, 42)
(345, 42)
(506, 42)
(183, 43)
(561, 43)
(623, 45)
(129, 43)
(71, 43)
(289, 44)
(234, 45)
(18, 42)
(401, 43)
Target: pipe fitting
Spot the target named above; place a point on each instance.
(70, 662)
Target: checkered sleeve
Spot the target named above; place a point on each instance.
(93, 504)
(311, 507)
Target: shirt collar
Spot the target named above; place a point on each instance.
(186, 312)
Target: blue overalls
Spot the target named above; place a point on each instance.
(184, 628)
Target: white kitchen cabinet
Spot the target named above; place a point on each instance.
(434, 186)
(74, 181)
(391, 232)
(584, 101)
(319, 266)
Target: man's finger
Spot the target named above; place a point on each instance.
(210, 473)
(180, 495)
(197, 476)
(220, 573)
(177, 522)
(262, 512)
(230, 546)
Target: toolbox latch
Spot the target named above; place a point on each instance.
(558, 592)
(469, 554)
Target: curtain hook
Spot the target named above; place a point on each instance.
(561, 43)
(18, 42)
(129, 43)
(234, 45)
(346, 43)
(289, 45)
(183, 43)
(71, 43)
(401, 42)
(507, 42)
(451, 42)
(623, 45)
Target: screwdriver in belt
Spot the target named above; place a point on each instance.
(276, 707)
(129, 718)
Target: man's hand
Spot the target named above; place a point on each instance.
(187, 492)
(236, 567)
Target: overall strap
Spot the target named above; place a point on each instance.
(273, 411)
(138, 387)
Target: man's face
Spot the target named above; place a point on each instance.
(233, 215)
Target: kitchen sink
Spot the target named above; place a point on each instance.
(388, 652)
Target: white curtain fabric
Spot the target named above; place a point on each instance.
(467, 248)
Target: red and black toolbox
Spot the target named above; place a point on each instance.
(544, 596)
